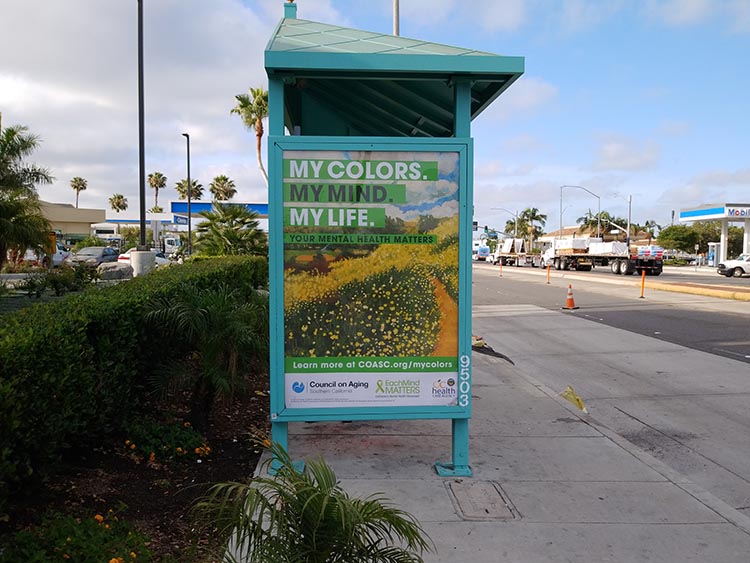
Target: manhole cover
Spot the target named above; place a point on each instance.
(480, 500)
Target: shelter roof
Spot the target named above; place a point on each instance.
(403, 86)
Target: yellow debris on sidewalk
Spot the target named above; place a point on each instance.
(570, 395)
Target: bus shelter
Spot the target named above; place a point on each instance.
(370, 224)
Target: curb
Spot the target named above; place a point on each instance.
(674, 288)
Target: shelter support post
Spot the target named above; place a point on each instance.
(459, 467)
(746, 237)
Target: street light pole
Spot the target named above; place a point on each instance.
(629, 199)
(598, 212)
(141, 135)
(515, 216)
(189, 189)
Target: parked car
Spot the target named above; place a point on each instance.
(61, 256)
(95, 255)
(161, 259)
(737, 267)
(40, 258)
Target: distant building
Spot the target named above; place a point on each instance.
(70, 223)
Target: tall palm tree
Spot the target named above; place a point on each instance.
(532, 215)
(651, 227)
(222, 188)
(196, 189)
(157, 181)
(22, 224)
(253, 109)
(118, 202)
(306, 516)
(78, 184)
(230, 230)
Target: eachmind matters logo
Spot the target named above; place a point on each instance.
(298, 387)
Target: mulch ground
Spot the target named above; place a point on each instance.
(158, 498)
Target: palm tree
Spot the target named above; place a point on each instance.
(230, 230)
(253, 109)
(22, 224)
(196, 190)
(651, 227)
(531, 215)
(78, 184)
(225, 333)
(156, 209)
(306, 516)
(157, 181)
(118, 202)
(222, 188)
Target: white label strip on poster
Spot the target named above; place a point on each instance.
(323, 390)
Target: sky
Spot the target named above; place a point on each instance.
(639, 99)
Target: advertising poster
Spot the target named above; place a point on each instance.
(370, 278)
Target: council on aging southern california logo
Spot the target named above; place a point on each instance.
(298, 387)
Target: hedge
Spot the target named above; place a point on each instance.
(72, 371)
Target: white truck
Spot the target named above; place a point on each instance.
(584, 254)
(512, 251)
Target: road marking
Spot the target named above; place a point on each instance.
(508, 310)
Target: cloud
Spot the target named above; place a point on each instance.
(414, 11)
(621, 153)
(494, 16)
(679, 13)
(77, 89)
(579, 15)
(526, 96)
(675, 128)
(739, 12)
(720, 178)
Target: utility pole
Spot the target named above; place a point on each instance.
(396, 30)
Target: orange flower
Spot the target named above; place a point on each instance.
(99, 518)
(152, 457)
(179, 450)
(132, 446)
(267, 443)
(186, 424)
(132, 555)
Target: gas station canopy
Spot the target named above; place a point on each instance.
(405, 89)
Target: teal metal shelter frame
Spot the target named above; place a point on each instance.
(334, 88)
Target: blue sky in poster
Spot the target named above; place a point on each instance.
(643, 98)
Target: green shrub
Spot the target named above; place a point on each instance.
(94, 539)
(73, 370)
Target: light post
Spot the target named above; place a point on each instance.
(629, 199)
(598, 212)
(141, 135)
(189, 189)
(515, 216)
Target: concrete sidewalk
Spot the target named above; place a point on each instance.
(550, 484)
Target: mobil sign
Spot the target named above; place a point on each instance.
(738, 212)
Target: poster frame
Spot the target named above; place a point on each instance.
(280, 413)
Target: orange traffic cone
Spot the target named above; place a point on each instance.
(569, 303)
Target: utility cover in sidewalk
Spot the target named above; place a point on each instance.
(480, 500)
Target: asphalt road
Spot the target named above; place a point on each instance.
(711, 325)
(670, 372)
